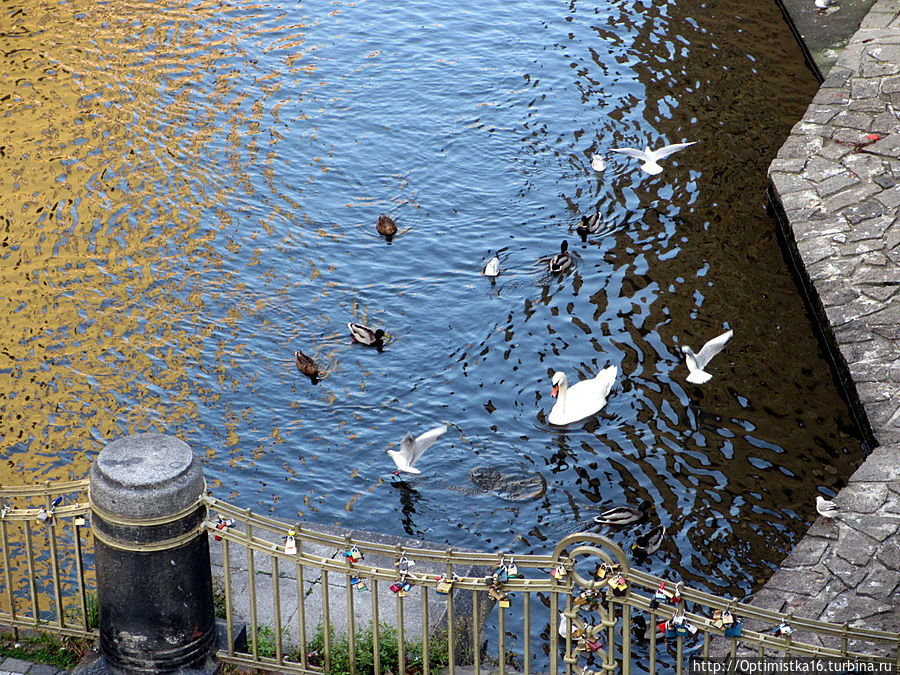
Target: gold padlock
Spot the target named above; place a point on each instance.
(444, 586)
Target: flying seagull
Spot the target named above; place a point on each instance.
(697, 362)
(412, 448)
(826, 507)
(651, 157)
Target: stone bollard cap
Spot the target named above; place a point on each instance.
(146, 476)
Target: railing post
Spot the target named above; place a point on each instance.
(154, 585)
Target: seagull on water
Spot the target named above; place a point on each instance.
(492, 269)
(598, 163)
(826, 507)
(697, 362)
(412, 448)
(651, 157)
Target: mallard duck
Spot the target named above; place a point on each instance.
(492, 269)
(582, 399)
(386, 226)
(648, 544)
(366, 336)
(561, 261)
(697, 362)
(307, 366)
(589, 225)
(624, 515)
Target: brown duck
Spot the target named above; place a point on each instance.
(386, 226)
(307, 366)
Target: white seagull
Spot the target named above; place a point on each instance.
(826, 507)
(412, 448)
(651, 157)
(492, 268)
(597, 163)
(697, 362)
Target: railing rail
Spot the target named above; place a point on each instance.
(315, 601)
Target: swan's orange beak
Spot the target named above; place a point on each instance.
(555, 390)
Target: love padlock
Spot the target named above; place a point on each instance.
(290, 543)
(659, 596)
(444, 585)
(558, 572)
(353, 555)
(405, 588)
(618, 585)
(783, 629)
(735, 629)
(717, 621)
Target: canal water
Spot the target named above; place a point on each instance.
(189, 195)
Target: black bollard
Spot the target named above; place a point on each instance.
(154, 586)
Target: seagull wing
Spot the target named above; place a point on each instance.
(711, 348)
(422, 443)
(667, 150)
(631, 152)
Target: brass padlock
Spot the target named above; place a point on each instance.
(444, 585)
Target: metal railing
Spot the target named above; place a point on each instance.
(581, 608)
(319, 602)
(47, 579)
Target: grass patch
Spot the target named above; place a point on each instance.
(62, 652)
(389, 651)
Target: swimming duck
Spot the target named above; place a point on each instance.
(366, 336)
(307, 366)
(589, 225)
(582, 399)
(561, 261)
(624, 515)
(492, 269)
(386, 226)
(648, 544)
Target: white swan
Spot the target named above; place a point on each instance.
(582, 399)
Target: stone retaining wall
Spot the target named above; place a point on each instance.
(836, 183)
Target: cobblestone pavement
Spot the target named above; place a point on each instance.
(837, 178)
(11, 666)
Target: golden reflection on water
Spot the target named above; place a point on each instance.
(100, 226)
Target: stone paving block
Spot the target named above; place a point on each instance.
(836, 183)
(890, 199)
(42, 669)
(863, 497)
(15, 665)
(855, 200)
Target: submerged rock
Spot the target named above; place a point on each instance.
(514, 486)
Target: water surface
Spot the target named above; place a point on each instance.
(190, 192)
